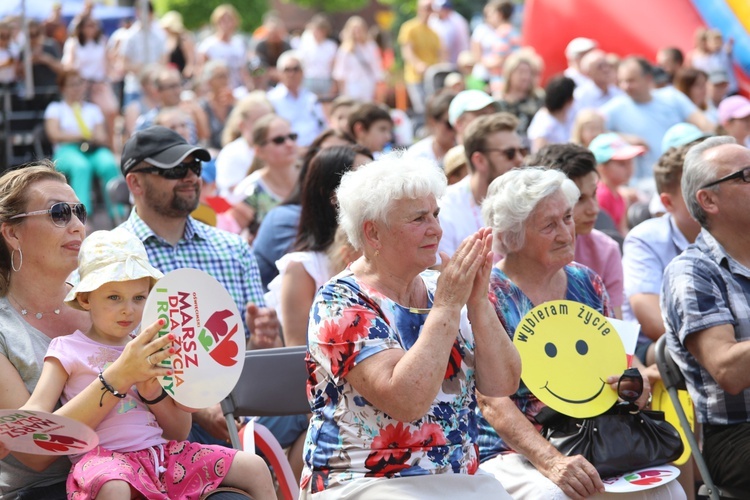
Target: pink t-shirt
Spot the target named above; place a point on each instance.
(601, 253)
(611, 202)
(130, 426)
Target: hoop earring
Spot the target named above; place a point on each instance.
(20, 260)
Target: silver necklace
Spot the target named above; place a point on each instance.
(25, 312)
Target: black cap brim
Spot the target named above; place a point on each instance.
(171, 157)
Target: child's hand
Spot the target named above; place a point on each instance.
(150, 389)
(141, 359)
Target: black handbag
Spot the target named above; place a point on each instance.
(615, 442)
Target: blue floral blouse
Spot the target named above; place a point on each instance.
(348, 438)
(510, 303)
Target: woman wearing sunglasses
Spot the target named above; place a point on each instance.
(275, 174)
(77, 132)
(530, 211)
(42, 227)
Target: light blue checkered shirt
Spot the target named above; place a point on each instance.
(223, 255)
(705, 287)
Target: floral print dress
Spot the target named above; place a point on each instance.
(348, 438)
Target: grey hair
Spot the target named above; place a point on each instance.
(368, 193)
(210, 69)
(697, 172)
(512, 197)
(285, 57)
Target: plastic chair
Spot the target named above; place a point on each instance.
(637, 212)
(273, 382)
(119, 194)
(434, 77)
(673, 380)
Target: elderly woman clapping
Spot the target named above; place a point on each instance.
(530, 211)
(395, 355)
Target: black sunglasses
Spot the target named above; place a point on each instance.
(61, 213)
(292, 69)
(177, 172)
(510, 153)
(743, 174)
(281, 139)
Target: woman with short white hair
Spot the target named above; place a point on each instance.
(394, 357)
(530, 211)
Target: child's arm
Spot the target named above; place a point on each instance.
(174, 421)
(91, 405)
(49, 388)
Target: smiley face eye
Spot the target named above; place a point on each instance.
(550, 349)
(582, 347)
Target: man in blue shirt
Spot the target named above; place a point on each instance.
(650, 246)
(648, 114)
(163, 174)
(706, 305)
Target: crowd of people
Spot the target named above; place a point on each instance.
(275, 164)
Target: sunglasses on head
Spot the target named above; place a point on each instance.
(177, 172)
(510, 153)
(281, 139)
(743, 174)
(61, 213)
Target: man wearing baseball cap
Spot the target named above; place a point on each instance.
(734, 116)
(466, 107)
(163, 173)
(614, 158)
(574, 52)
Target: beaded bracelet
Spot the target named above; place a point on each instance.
(158, 399)
(108, 388)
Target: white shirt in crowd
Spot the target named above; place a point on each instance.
(232, 164)
(231, 52)
(460, 216)
(89, 59)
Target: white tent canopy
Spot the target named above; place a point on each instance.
(41, 9)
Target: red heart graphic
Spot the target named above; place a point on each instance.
(647, 480)
(59, 438)
(217, 324)
(226, 350)
(50, 446)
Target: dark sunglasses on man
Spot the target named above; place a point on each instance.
(180, 171)
(61, 213)
(509, 153)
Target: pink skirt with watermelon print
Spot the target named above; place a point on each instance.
(176, 469)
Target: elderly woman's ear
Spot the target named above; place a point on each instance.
(371, 233)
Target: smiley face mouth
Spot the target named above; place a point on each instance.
(575, 401)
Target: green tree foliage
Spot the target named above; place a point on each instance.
(331, 5)
(196, 13)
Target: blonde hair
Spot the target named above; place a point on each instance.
(223, 9)
(514, 60)
(347, 36)
(15, 187)
(583, 118)
(241, 112)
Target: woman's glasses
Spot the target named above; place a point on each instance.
(177, 172)
(61, 213)
(281, 139)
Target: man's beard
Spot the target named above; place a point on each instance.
(175, 204)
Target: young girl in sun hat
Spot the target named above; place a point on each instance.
(141, 447)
